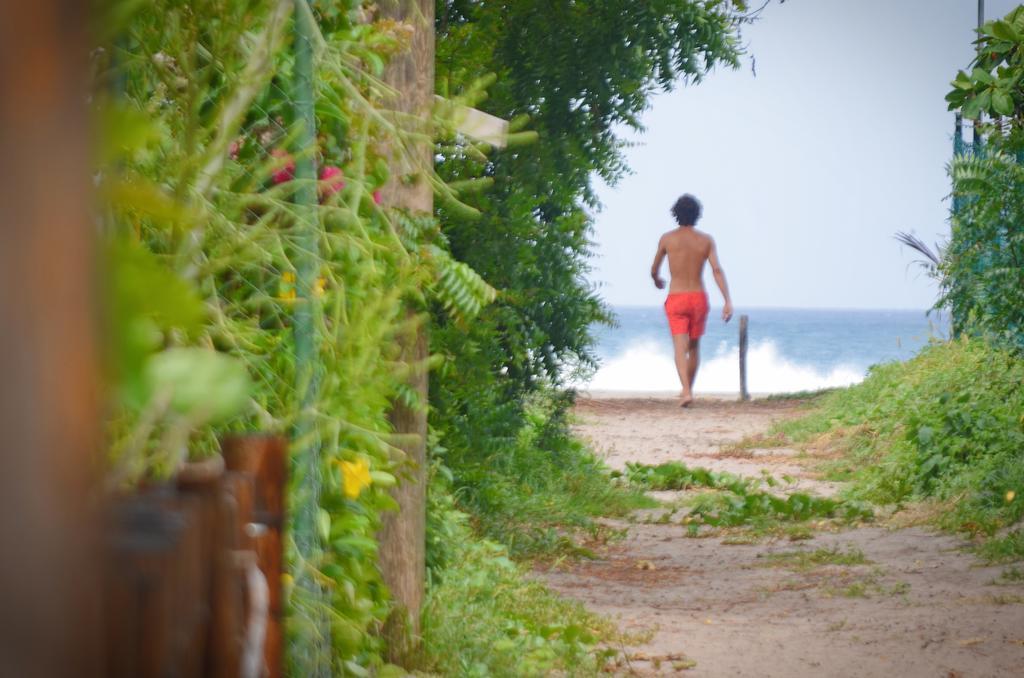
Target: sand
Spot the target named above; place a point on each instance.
(920, 606)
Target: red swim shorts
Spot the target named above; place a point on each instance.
(687, 313)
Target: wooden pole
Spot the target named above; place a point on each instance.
(744, 394)
(403, 535)
(49, 394)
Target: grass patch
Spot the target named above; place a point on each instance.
(487, 618)
(1007, 549)
(803, 561)
(810, 396)
(738, 501)
(1011, 575)
(486, 615)
(946, 427)
(760, 441)
(538, 494)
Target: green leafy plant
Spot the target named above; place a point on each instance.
(738, 500)
(946, 425)
(993, 84)
(486, 616)
(982, 270)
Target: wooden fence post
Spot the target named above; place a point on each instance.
(403, 534)
(744, 394)
(49, 395)
(264, 458)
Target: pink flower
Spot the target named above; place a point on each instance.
(234, 147)
(377, 197)
(285, 172)
(335, 180)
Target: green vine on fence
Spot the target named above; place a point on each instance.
(222, 231)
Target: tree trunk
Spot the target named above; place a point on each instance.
(402, 539)
(49, 414)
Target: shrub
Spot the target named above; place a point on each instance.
(948, 424)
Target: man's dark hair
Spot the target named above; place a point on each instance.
(686, 210)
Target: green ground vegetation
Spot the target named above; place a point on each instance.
(487, 616)
(756, 503)
(947, 426)
(541, 490)
(808, 560)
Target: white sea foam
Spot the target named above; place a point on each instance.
(648, 366)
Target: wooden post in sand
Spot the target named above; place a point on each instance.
(744, 394)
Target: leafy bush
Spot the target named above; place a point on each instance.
(533, 492)
(948, 424)
(982, 268)
(485, 616)
(565, 75)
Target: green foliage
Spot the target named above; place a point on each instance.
(532, 492)
(802, 561)
(948, 424)
(485, 615)
(993, 85)
(982, 268)
(197, 202)
(1005, 549)
(983, 265)
(195, 98)
(564, 75)
(738, 500)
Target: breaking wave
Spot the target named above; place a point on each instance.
(648, 366)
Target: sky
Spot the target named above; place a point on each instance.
(807, 170)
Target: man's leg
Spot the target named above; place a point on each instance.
(693, 361)
(681, 345)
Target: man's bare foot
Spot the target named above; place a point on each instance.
(686, 401)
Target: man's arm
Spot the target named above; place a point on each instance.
(716, 269)
(656, 266)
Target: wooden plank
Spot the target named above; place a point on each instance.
(265, 459)
(473, 123)
(201, 482)
(228, 590)
(142, 538)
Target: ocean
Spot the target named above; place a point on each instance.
(789, 349)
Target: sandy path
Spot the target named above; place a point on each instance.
(919, 606)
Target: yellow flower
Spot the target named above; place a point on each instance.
(1010, 495)
(318, 287)
(286, 288)
(355, 476)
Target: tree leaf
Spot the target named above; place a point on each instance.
(1002, 103)
(980, 75)
(202, 384)
(1004, 31)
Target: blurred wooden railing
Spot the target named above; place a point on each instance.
(192, 571)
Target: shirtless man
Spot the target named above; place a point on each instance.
(687, 302)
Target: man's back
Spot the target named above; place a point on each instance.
(687, 249)
(687, 304)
